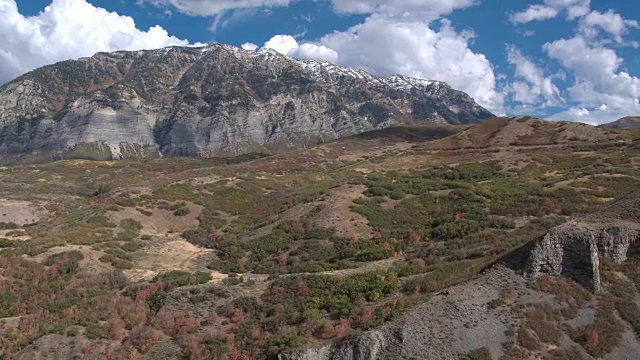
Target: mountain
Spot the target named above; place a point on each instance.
(208, 101)
(629, 122)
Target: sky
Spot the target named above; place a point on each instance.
(574, 60)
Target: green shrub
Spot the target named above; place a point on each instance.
(144, 212)
(132, 246)
(126, 202)
(232, 281)
(183, 211)
(5, 243)
(130, 224)
(377, 191)
(101, 220)
(182, 278)
(176, 206)
(495, 303)
(113, 207)
(482, 353)
(67, 262)
(373, 254)
(8, 226)
(397, 194)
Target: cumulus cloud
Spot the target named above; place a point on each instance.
(551, 9)
(534, 12)
(598, 82)
(288, 45)
(531, 86)
(215, 7)
(68, 29)
(249, 46)
(610, 22)
(386, 46)
(599, 91)
(284, 44)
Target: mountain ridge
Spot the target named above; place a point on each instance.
(627, 122)
(207, 101)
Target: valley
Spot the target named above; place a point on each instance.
(405, 242)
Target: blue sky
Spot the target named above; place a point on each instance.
(561, 59)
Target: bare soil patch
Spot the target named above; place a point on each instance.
(337, 212)
(164, 254)
(161, 222)
(217, 277)
(20, 212)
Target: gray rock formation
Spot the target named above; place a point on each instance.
(214, 100)
(574, 249)
(369, 346)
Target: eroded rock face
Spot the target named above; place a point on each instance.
(367, 347)
(615, 241)
(214, 100)
(573, 250)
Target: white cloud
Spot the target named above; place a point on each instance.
(249, 46)
(284, 44)
(599, 90)
(609, 22)
(551, 9)
(597, 80)
(68, 29)
(532, 86)
(534, 12)
(215, 7)
(425, 9)
(316, 52)
(287, 45)
(386, 46)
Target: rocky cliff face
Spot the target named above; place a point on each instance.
(369, 346)
(214, 100)
(574, 249)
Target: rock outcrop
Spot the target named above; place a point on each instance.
(574, 249)
(369, 346)
(213, 100)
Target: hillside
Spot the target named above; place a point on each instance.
(386, 243)
(216, 100)
(525, 131)
(629, 123)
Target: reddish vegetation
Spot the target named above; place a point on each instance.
(592, 338)
(550, 207)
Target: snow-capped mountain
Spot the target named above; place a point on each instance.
(213, 100)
